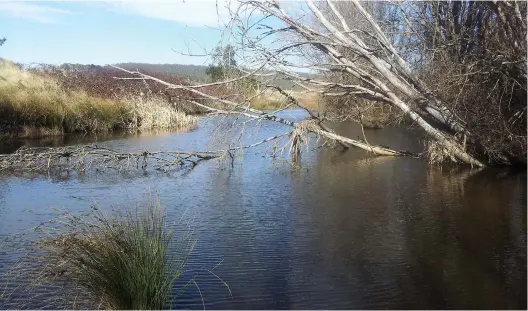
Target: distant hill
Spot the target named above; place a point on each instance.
(191, 73)
(194, 73)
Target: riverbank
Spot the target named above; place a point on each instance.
(46, 101)
(273, 100)
(38, 104)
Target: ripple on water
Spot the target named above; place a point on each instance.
(344, 231)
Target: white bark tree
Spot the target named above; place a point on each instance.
(387, 78)
(317, 36)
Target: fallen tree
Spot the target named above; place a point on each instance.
(241, 109)
(82, 158)
(318, 36)
(382, 68)
(86, 157)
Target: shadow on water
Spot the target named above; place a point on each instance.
(343, 231)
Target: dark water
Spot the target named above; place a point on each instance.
(343, 231)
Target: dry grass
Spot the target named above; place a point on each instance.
(271, 100)
(156, 113)
(33, 105)
(262, 103)
(30, 100)
(300, 136)
(310, 100)
(438, 154)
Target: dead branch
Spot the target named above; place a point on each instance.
(85, 157)
(92, 157)
(237, 108)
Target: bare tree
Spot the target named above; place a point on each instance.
(383, 62)
(473, 56)
(476, 54)
(384, 53)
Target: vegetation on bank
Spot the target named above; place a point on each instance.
(271, 100)
(50, 101)
(467, 61)
(53, 100)
(253, 91)
(128, 260)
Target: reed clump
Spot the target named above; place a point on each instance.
(126, 261)
(151, 112)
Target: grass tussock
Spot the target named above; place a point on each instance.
(127, 261)
(34, 105)
(272, 100)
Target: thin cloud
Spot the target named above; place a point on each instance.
(197, 13)
(31, 11)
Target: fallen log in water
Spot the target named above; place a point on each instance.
(316, 128)
(84, 157)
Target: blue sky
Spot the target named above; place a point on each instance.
(109, 32)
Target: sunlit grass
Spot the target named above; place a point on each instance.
(33, 105)
(273, 100)
(267, 103)
(156, 113)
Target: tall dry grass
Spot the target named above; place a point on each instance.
(271, 100)
(35, 105)
(156, 113)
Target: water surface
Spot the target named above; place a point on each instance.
(343, 231)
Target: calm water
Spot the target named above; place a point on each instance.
(343, 231)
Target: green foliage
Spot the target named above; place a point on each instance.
(224, 67)
(224, 64)
(225, 56)
(216, 72)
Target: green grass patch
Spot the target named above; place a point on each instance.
(123, 260)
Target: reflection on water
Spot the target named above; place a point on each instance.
(343, 231)
(441, 239)
(10, 145)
